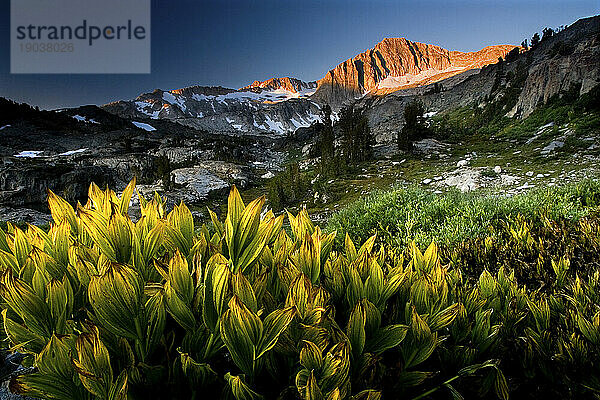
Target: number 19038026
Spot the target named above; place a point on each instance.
(60, 47)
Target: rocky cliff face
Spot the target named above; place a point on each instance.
(276, 106)
(398, 63)
(567, 60)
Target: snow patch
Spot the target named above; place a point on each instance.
(142, 106)
(392, 82)
(144, 126)
(296, 124)
(267, 96)
(29, 154)
(81, 118)
(71, 152)
(171, 99)
(553, 145)
(202, 97)
(274, 126)
(549, 125)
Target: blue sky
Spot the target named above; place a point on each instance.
(232, 43)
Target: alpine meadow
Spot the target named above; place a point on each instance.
(353, 215)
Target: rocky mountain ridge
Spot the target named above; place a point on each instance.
(282, 105)
(395, 67)
(398, 63)
(276, 106)
(290, 84)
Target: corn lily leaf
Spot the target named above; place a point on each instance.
(239, 389)
(274, 325)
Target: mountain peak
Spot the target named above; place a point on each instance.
(398, 63)
(286, 83)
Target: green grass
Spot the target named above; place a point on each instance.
(523, 130)
(403, 214)
(580, 113)
(581, 123)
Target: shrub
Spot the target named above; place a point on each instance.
(414, 125)
(590, 101)
(356, 137)
(287, 188)
(512, 55)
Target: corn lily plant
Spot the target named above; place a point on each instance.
(244, 308)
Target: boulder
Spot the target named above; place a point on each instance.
(195, 184)
(24, 215)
